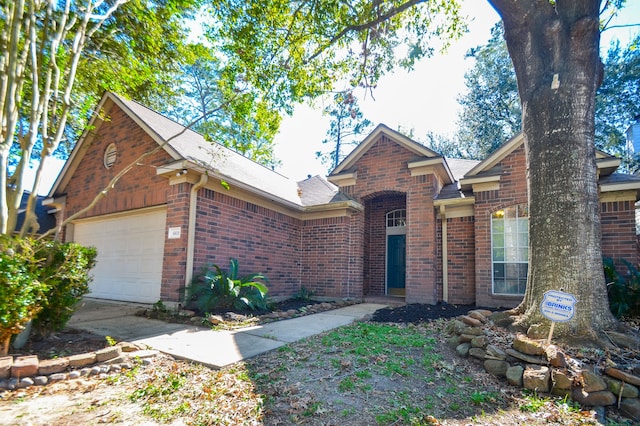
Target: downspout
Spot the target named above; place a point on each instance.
(445, 256)
(191, 227)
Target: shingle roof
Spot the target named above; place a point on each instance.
(45, 220)
(316, 190)
(192, 146)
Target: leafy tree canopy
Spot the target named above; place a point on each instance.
(290, 51)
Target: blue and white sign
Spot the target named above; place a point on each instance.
(558, 306)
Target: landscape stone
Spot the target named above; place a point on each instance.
(538, 331)
(561, 380)
(477, 353)
(473, 331)
(477, 315)
(40, 380)
(25, 382)
(216, 319)
(501, 319)
(453, 341)
(454, 327)
(479, 341)
(81, 360)
(496, 367)
(5, 366)
(523, 344)
(129, 347)
(625, 377)
(555, 356)
(463, 349)
(592, 381)
(94, 370)
(108, 353)
(536, 378)
(470, 321)
(58, 377)
(484, 312)
(50, 366)
(514, 375)
(24, 366)
(526, 358)
(600, 398)
(466, 338)
(630, 407)
(495, 352)
(617, 386)
(74, 374)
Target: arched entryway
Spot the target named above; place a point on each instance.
(385, 230)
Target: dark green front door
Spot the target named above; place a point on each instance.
(396, 248)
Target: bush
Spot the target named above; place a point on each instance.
(21, 292)
(66, 271)
(216, 290)
(623, 290)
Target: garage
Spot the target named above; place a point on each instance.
(130, 254)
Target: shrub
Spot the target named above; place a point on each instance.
(65, 269)
(623, 290)
(216, 290)
(21, 292)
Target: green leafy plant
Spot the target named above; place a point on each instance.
(216, 290)
(303, 294)
(21, 292)
(623, 290)
(64, 267)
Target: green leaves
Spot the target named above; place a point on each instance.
(217, 290)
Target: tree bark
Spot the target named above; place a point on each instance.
(555, 52)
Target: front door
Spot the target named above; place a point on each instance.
(396, 262)
(396, 252)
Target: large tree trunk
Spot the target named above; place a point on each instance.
(555, 51)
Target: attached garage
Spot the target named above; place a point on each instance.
(130, 254)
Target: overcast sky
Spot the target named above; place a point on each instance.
(424, 100)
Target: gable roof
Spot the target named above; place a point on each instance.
(190, 149)
(408, 143)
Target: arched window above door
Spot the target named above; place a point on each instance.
(397, 218)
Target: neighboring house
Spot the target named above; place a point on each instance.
(394, 218)
(46, 219)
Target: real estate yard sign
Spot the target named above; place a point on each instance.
(557, 306)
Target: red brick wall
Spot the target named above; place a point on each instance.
(461, 260)
(513, 190)
(174, 264)
(383, 170)
(618, 222)
(139, 188)
(330, 253)
(262, 240)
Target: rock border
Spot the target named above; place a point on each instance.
(24, 371)
(534, 365)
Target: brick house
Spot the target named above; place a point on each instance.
(394, 218)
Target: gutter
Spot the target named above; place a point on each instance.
(191, 227)
(445, 255)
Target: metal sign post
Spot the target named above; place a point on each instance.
(557, 306)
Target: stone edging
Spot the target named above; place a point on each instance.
(24, 371)
(539, 367)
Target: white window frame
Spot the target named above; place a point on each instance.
(514, 249)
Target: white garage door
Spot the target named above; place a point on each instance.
(130, 252)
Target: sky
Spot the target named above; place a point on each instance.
(424, 100)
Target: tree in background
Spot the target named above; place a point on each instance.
(618, 101)
(491, 112)
(347, 124)
(223, 107)
(57, 58)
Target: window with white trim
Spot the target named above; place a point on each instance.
(510, 249)
(397, 218)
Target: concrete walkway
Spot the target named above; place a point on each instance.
(212, 348)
